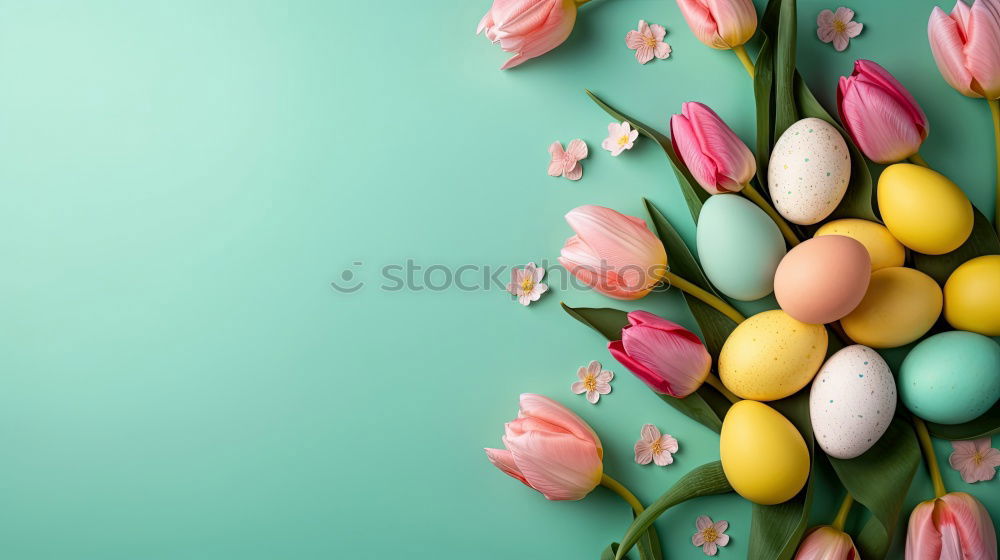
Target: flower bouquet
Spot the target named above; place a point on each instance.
(856, 264)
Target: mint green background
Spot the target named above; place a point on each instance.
(181, 182)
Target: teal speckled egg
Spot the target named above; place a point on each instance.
(951, 378)
(739, 246)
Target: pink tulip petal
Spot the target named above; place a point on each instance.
(982, 50)
(649, 433)
(948, 47)
(971, 521)
(643, 453)
(701, 22)
(647, 376)
(560, 466)
(505, 462)
(548, 410)
(682, 362)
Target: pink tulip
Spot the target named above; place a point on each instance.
(550, 449)
(664, 355)
(966, 47)
(827, 543)
(881, 115)
(528, 28)
(953, 527)
(720, 24)
(716, 157)
(613, 253)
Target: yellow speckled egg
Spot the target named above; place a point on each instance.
(764, 457)
(771, 356)
(883, 248)
(901, 304)
(972, 296)
(923, 209)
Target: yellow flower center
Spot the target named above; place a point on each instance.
(657, 448)
(590, 382)
(978, 458)
(650, 41)
(623, 139)
(710, 534)
(839, 26)
(527, 284)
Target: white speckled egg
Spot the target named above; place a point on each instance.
(809, 171)
(852, 400)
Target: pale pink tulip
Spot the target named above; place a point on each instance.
(953, 527)
(550, 449)
(720, 24)
(966, 47)
(712, 152)
(664, 355)
(881, 115)
(827, 543)
(528, 28)
(613, 253)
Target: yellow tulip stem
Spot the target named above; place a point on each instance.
(757, 199)
(932, 465)
(845, 508)
(714, 381)
(619, 488)
(919, 160)
(995, 110)
(704, 296)
(741, 53)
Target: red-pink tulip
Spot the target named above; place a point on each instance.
(881, 115)
(551, 450)
(966, 47)
(720, 24)
(613, 253)
(953, 527)
(669, 358)
(528, 28)
(827, 543)
(716, 157)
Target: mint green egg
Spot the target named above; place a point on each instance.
(739, 247)
(951, 378)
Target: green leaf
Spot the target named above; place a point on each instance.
(982, 241)
(986, 425)
(694, 195)
(895, 457)
(649, 544)
(705, 480)
(610, 551)
(785, 107)
(763, 93)
(705, 406)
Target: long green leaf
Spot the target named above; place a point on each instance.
(706, 480)
(610, 551)
(705, 406)
(649, 544)
(986, 425)
(982, 241)
(785, 108)
(694, 195)
(763, 92)
(896, 458)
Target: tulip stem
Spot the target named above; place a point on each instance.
(619, 488)
(845, 508)
(919, 160)
(757, 199)
(995, 110)
(741, 53)
(706, 297)
(714, 381)
(932, 465)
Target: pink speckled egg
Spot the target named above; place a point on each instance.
(822, 279)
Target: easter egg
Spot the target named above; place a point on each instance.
(764, 457)
(951, 377)
(822, 279)
(883, 248)
(809, 171)
(851, 402)
(771, 356)
(972, 296)
(742, 270)
(923, 209)
(900, 306)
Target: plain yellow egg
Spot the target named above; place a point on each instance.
(972, 296)
(764, 457)
(901, 304)
(923, 209)
(884, 249)
(771, 356)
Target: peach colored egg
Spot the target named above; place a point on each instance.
(822, 279)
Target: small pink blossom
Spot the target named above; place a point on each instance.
(710, 536)
(621, 137)
(526, 283)
(655, 447)
(594, 381)
(567, 162)
(647, 42)
(837, 27)
(975, 459)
